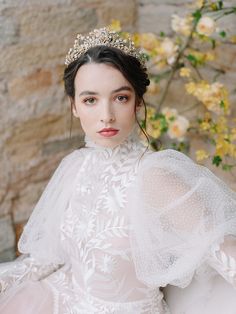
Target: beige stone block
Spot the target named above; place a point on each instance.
(55, 22)
(26, 139)
(58, 72)
(29, 84)
(226, 57)
(125, 11)
(156, 17)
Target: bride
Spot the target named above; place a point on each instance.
(118, 222)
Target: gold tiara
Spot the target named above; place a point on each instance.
(103, 37)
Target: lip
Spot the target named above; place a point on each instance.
(108, 132)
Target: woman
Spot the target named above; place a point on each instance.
(116, 221)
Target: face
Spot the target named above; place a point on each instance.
(105, 104)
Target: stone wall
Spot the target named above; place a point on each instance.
(35, 114)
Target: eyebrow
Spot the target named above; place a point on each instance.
(87, 92)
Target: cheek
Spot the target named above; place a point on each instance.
(128, 117)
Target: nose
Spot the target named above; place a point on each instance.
(107, 115)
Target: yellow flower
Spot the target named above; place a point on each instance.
(221, 125)
(233, 134)
(168, 50)
(153, 131)
(223, 147)
(190, 87)
(180, 25)
(150, 112)
(206, 26)
(233, 39)
(178, 128)
(185, 72)
(115, 25)
(209, 56)
(200, 56)
(213, 96)
(199, 3)
(147, 41)
(205, 126)
(201, 154)
(170, 113)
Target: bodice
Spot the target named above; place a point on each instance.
(95, 231)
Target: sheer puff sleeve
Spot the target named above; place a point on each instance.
(41, 236)
(178, 211)
(40, 242)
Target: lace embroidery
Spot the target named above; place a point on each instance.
(12, 274)
(95, 233)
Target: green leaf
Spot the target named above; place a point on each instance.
(222, 104)
(164, 125)
(158, 115)
(216, 160)
(197, 15)
(162, 34)
(212, 141)
(192, 59)
(222, 34)
(213, 43)
(220, 5)
(172, 118)
(227, 167)
(142, 123)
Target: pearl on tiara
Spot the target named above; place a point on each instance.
(103, 37)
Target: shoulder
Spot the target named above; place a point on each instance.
(75, 156)
(167, 155)
(70, 163)
(168, 160)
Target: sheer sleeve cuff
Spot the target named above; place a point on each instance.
(223, 259)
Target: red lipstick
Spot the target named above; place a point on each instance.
(108, 132)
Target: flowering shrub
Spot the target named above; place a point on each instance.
(186, 56)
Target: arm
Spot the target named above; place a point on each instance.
(23, 269)
(178, 210)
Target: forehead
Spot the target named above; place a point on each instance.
(99, 76)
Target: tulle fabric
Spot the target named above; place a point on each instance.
(178, 211)
(41, 235)
(27, 298)
(212, 296)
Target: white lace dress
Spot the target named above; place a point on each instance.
(86, 246)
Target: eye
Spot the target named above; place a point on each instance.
(122, 98)
(89, 101)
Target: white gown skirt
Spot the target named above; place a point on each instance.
(215, 296)
(31, 297)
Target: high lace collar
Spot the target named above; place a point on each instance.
(131, 143)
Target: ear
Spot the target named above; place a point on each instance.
(73, 108)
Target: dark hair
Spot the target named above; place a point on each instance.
(128, 65)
